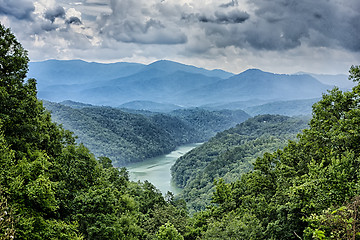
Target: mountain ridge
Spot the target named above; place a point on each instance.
(165, 81)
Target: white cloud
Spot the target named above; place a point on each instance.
(229, 34)
(71, 12)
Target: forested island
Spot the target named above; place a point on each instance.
(54, 188)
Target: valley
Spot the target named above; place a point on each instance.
(140, 115)
(127, 136)
(157, 169)
(167, 151)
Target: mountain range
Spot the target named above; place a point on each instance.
(166, 83)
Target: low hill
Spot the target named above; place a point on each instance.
(73, 104)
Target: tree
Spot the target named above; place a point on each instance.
(168, 232)
(341, 223)
(30, 143)
(13, 59)
(354, 73)
(7, 229)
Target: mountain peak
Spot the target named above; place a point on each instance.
(252, 70)
(170, 65)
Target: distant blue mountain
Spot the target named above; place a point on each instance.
(339, 80)
(171, 67)
(256, 84)
(58, 72)
(288, 108)
(165, 82)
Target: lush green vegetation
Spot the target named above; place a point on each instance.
(308, 190)
(53, 188)
(230, 154)
(128, 137)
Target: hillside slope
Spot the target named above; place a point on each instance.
(128, 137)
(230, 154)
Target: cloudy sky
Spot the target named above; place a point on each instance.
(284, 36)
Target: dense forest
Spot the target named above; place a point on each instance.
(128, 136)
(53, 188)
(308, 190)
(230, 154)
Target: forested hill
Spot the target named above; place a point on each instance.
(230, 154)
(128, 137)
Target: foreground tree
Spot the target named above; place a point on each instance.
(55, 188)
(32, 143)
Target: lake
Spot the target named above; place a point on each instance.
(157, 170)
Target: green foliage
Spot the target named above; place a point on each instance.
(341, 223)
(289, 191)
(13, 59)
(230, 154)
(233, 226)
(354, 73)
(30, 145)
(168, 232)
(7, 229)
(53, 188)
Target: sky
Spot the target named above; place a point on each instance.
(282, 36)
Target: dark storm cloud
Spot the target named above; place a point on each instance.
(133, 22)
(219, 17)
(20, 9)
(233, 3)
(149, 32)
(57, 12)
(74, 20)
(47, 27)
(321, 22)
(231, 17)
(283, 25)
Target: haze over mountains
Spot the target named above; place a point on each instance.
(164, 82)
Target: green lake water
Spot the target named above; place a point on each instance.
(157, 170)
